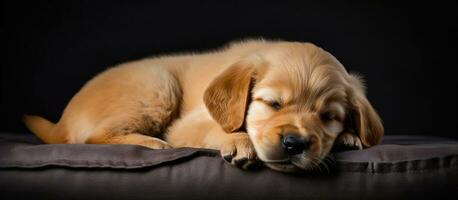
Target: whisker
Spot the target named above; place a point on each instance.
(327, 168)
(331, 159)
(321, 163)
(315, 165)
(315, 161)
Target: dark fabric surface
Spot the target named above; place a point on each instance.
(395, 154)
(402, 166)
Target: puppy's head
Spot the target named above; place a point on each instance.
(294, 99)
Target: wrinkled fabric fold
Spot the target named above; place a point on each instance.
(395, 154)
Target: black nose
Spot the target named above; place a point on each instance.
(294, 145)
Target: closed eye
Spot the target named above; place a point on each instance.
(327, 117)
(273, 104)
(335, 112)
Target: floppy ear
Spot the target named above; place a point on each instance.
(366, 121)
(227, 96)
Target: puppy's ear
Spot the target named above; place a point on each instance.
(365, 119)
(227, 96)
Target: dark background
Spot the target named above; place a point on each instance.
(406, 51)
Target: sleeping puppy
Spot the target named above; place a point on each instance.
(284, 103)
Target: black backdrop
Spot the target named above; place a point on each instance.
(406, 51)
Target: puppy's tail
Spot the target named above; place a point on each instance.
(41, 127)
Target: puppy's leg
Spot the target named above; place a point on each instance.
(347, 141)
(199, 130)
(238, 150)
(137, 128)
(133, 138)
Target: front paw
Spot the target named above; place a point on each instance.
(347, 141)
(239, 151)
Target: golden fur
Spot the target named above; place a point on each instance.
(212, 100)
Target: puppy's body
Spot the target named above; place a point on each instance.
(195, 100)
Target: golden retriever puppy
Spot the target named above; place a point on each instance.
(284, 103)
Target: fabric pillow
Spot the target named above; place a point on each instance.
(400, 167)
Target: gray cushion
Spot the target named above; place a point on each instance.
(401, 166)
